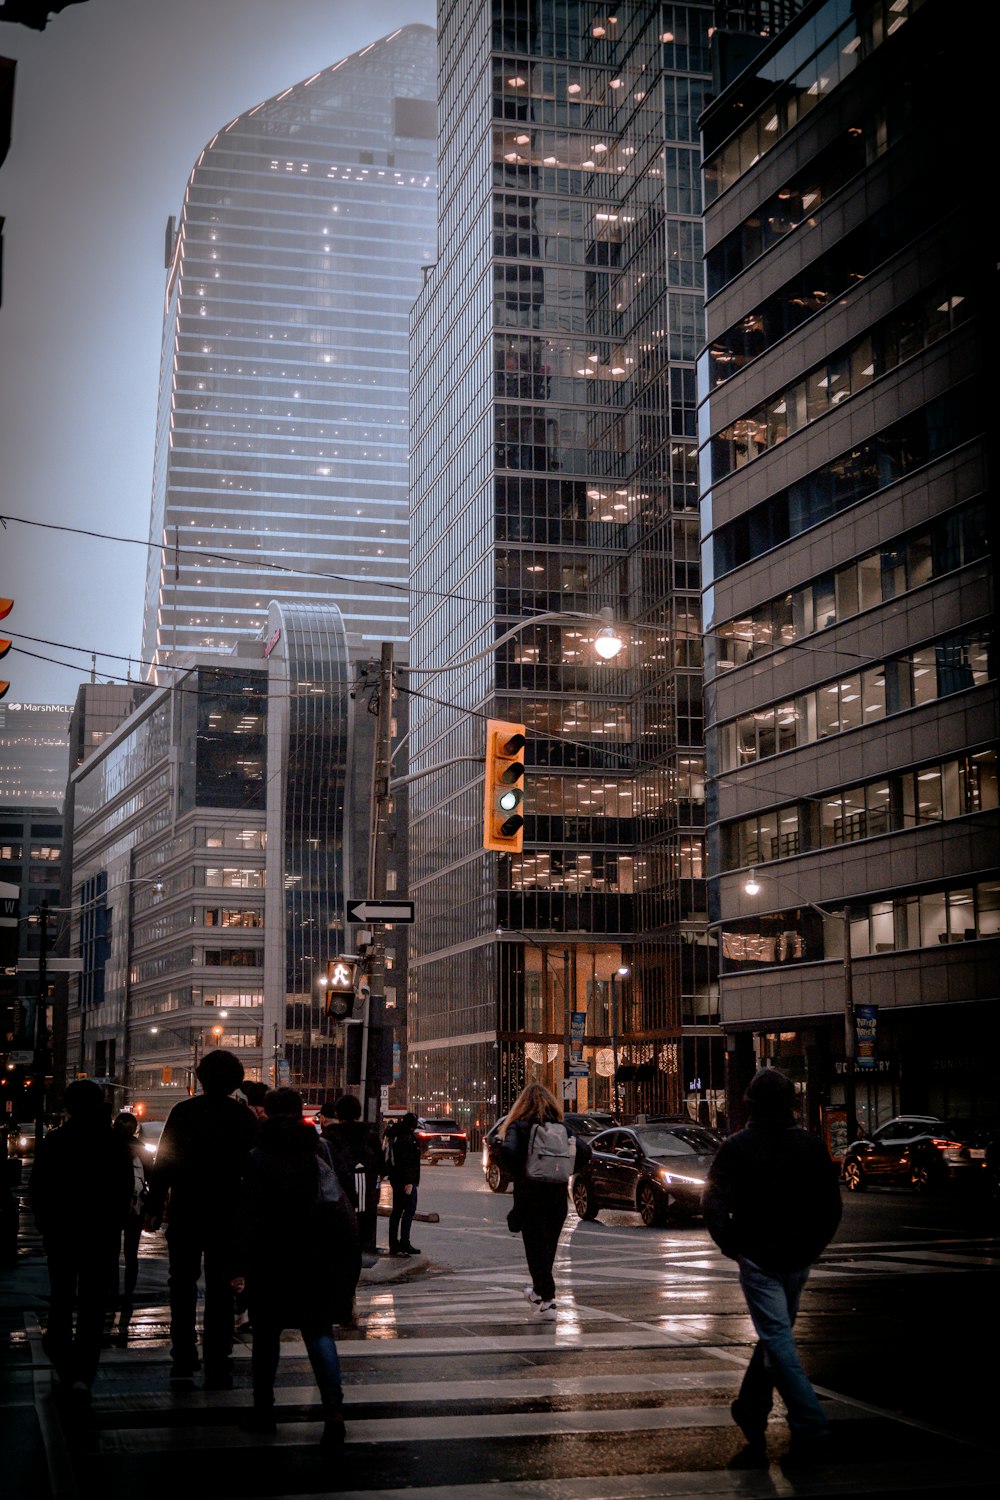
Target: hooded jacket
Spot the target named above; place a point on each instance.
(298, 1241)
(773, 1195)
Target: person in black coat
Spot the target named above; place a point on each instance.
(539, 1211)
(403, 1171)
(772, 1204)
(126, 1126)
(195, 1184)
(356, 1158)
(298, 1258)
(80, 1190)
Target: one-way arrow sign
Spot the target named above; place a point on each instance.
(371, 910)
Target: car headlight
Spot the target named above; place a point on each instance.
(150, 1147)
(22, 1140)
(678, 1177)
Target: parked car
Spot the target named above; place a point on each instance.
(658, 1170)
(922, 1150)
(586, 1125)
(441, 1140)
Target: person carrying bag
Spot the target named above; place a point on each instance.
(540, 1155)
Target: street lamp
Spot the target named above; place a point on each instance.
(752, 887)
(195, 1040)
(622, 972)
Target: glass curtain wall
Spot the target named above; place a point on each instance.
(575, 490)
(281, 451)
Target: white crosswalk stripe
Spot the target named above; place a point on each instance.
(455, 1390)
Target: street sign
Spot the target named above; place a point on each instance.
(22, 1059)
(569, 1088)
(579, 1070)
(370, 909)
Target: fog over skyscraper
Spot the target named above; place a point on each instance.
(282, 424)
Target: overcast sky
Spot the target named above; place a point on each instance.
(112, 104)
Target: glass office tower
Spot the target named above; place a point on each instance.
(281, 451)
(553, 474)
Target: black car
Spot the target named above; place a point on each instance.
(441, 1140)
(586, 1126)
(659, 1170)
(920, 1150)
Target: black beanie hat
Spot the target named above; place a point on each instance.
(770, 1090)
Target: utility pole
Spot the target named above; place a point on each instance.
(40, 1039)
(373, 1017)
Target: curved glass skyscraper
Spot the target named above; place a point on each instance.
(281, 451)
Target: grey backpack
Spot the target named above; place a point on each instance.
(551, 1153)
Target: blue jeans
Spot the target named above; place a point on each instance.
(773, 1300)
(320, 1347)
(404, 1206)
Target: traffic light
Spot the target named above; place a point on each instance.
(503, 792)
(6, 605)
(340, 975)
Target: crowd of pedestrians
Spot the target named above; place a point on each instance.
(262, 1207)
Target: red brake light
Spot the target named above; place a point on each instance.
(423, 1135)
(946, 1145)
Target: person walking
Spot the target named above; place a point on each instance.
(772, 1203)
(195, 1184)
(297, 1258)
(79, 1191)
(402, 1162)
(539, 1210)
(126, 1127)
(356, 1158)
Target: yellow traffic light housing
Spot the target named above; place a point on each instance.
(503, 793)
(6, 605)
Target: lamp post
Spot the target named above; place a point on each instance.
(195, 1040)
(752, 887)
(622, 972)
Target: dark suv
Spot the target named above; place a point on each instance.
(441, 1140)
(921, 1150)
(586, 1126)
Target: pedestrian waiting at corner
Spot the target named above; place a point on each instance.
(402, 1167)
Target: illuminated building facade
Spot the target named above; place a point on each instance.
(282, 425)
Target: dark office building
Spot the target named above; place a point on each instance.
(554, 475)
(848, 565)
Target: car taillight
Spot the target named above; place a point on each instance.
(461, 1135)
(947, 1145)
(424, 1135)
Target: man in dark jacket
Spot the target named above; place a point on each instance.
(195, 1180)
(772, 1204)
(356, 1158)
(80, 1191)
(403, 1171)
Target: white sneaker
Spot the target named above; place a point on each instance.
(532, 1296)
(547, 1310)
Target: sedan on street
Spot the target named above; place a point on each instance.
(922, 1151)
(657, 1170)
(586, 1126)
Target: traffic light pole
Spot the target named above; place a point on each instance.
(40, 1038)
(373, 1015)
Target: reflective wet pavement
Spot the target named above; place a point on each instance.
(456, 1389)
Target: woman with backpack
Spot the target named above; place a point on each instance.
(299, 1259)
(540, 1155)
